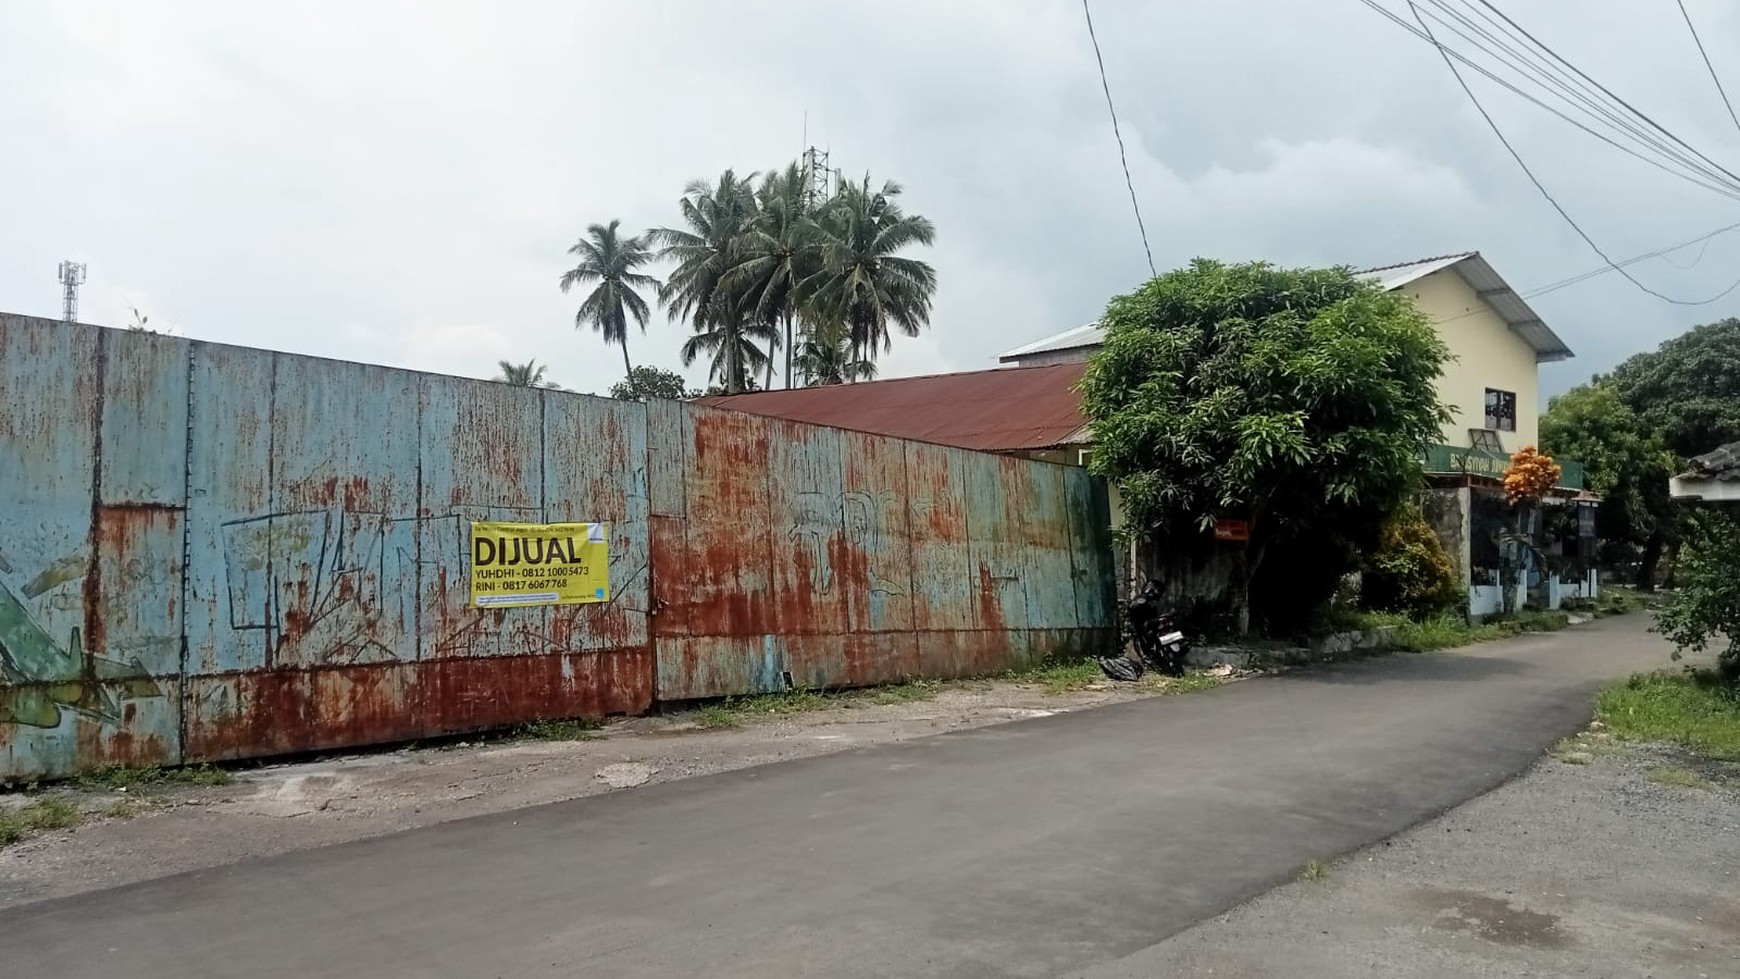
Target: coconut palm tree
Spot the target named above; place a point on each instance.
(527, 375)
(735, 345)
(609, 260)
(725, 324)
(776, 252)
(863, 279)
(825, 357)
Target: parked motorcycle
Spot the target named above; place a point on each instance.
(1160, 645)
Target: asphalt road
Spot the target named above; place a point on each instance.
(1038, 848)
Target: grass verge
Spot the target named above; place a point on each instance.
(1692, 710)
(37, 816)
(1314, 871)
(1449, 631)
(125, 778)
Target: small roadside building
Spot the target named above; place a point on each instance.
(1713, 477)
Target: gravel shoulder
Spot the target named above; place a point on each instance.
(140, 835)
(1620, 861)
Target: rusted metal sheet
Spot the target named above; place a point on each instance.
(994, 549)
(713, 560)
(595, 469)
(90, 594)
(230, 534)
(482, 459)
(879, 559)
(945, 583)
(878, 546)
(1093, 559)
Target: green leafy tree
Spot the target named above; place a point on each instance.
(527, 375)
(1704, 610)
(1625, 461)
(724, 321)
(1688, 389)
(864, 281)
(1687, 392)
(1299, 400)
(645, 383)
(607, 262)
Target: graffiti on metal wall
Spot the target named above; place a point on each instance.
(40, 678)
(859, 517)
(340, 587)
(326, 586)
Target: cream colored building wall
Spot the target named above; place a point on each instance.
(1488, 354)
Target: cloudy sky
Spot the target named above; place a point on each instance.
(398, 182)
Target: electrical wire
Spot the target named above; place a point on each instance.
(1496, 131)
(1712, 68)
(1574, 92)
(1122, 158)
(1726, 189)
(1661, 253)
(1658, 127)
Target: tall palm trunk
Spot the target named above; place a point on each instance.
(788, 349)
(627, 369)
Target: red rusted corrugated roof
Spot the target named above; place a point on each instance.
(993, 410)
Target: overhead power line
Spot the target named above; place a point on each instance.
(1496, 131)
(1579, 97)
(1712, 68)
(1559, 83)
(1662, 253)
(1122, 158)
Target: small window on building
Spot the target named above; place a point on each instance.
(1501, 410)
(1485, 440)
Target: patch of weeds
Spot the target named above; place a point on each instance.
(128, 778)
(1059, 676)
(1191, 682)
(37, 816)
(129, 806)
(908, 692)
(570, 729)
(1314, 871)
(788, 702)
(715, 717)
(1693, 710)
(1680, 778)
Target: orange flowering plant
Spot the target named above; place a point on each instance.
(1532, 475)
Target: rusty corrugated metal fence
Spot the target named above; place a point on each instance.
(212, 552)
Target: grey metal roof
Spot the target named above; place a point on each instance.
(1723, 464)
(1474, 270)
(1089, 335)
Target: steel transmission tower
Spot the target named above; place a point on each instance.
(820, 176)
(72, 275)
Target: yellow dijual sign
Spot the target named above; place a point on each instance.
(518, 564)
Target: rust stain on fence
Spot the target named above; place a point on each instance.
(215, 552)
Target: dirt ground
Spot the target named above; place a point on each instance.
(277, 808)
(1617, 863)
